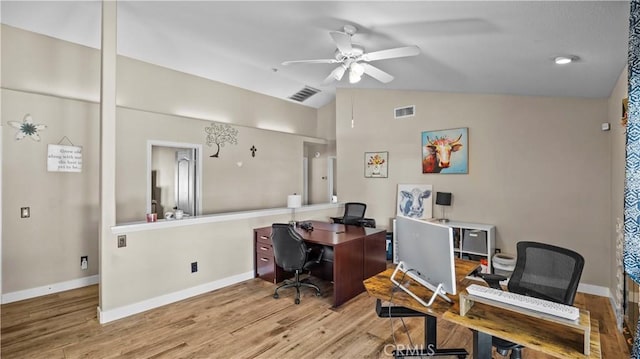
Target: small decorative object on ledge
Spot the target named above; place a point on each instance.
(253, 150)
(27, 128)
(219, 134)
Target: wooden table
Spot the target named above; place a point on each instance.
(485, 320)
(359, 253)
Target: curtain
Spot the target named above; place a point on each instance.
(632, 166)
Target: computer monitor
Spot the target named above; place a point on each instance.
(425, 252)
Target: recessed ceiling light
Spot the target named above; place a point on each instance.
(563, 60)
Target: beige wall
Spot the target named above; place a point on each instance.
(153, 88)
(262, 181)
(46, 248)
(40, 64)
(157, 262)
(539, 167)
(51, 79)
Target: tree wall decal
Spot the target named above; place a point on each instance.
(219, 134)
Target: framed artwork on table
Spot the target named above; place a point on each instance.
(376, 164)
(445, 151)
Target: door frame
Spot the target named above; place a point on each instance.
(331, 160)
(198, 172)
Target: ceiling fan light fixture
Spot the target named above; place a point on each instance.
(338, 72)
(355, 72)
(354, 77)
(357, 69)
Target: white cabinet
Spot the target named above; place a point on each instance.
(473, 241)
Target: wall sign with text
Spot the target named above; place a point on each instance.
(64, 158)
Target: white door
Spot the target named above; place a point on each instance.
(185, 180)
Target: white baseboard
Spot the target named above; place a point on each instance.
(49, 289)
(106, 316)
(594, 289)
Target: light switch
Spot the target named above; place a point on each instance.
(25, 212)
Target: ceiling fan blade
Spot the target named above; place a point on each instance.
(336, 75)
(392, 53)
(343, 41)
(376, 73)
(320, 61)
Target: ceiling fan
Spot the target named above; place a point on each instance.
(352, 57)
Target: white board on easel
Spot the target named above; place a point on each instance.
(64, 158)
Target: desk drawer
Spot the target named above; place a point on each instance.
(263, 236)
(263, 249)
(265, 266)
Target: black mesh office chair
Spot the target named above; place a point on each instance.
(291, 254)
(353, 214)
(542, 271)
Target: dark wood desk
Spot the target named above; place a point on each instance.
(485, 320)
(359, 253)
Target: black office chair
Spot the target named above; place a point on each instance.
(353, 214)
(291, 254)
(543, 271)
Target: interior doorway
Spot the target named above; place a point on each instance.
(173, 182)
(318, 168)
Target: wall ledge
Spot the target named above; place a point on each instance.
(212, 218)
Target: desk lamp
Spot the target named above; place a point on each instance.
(294, 201)
(443, 199)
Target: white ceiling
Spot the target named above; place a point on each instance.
(503, 47)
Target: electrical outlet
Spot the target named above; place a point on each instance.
(84, 262)
(194, 267)
(122, 240)
(25, 212)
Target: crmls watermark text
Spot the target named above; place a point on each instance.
(410, 350)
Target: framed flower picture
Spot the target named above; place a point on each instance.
(376, 164)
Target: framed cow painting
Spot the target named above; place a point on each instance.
(414, 201)
(445, 151)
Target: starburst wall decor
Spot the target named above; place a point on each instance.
(27, 128)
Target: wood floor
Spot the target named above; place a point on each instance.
(240, 321)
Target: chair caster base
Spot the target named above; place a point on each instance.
(297, 301)
(276, 296)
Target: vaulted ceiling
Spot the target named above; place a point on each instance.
(503, 47)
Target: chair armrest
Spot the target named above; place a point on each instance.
(493, 280)
(338, 220)
(315, 258)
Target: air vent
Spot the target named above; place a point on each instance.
(304, 94)
(402, 112)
